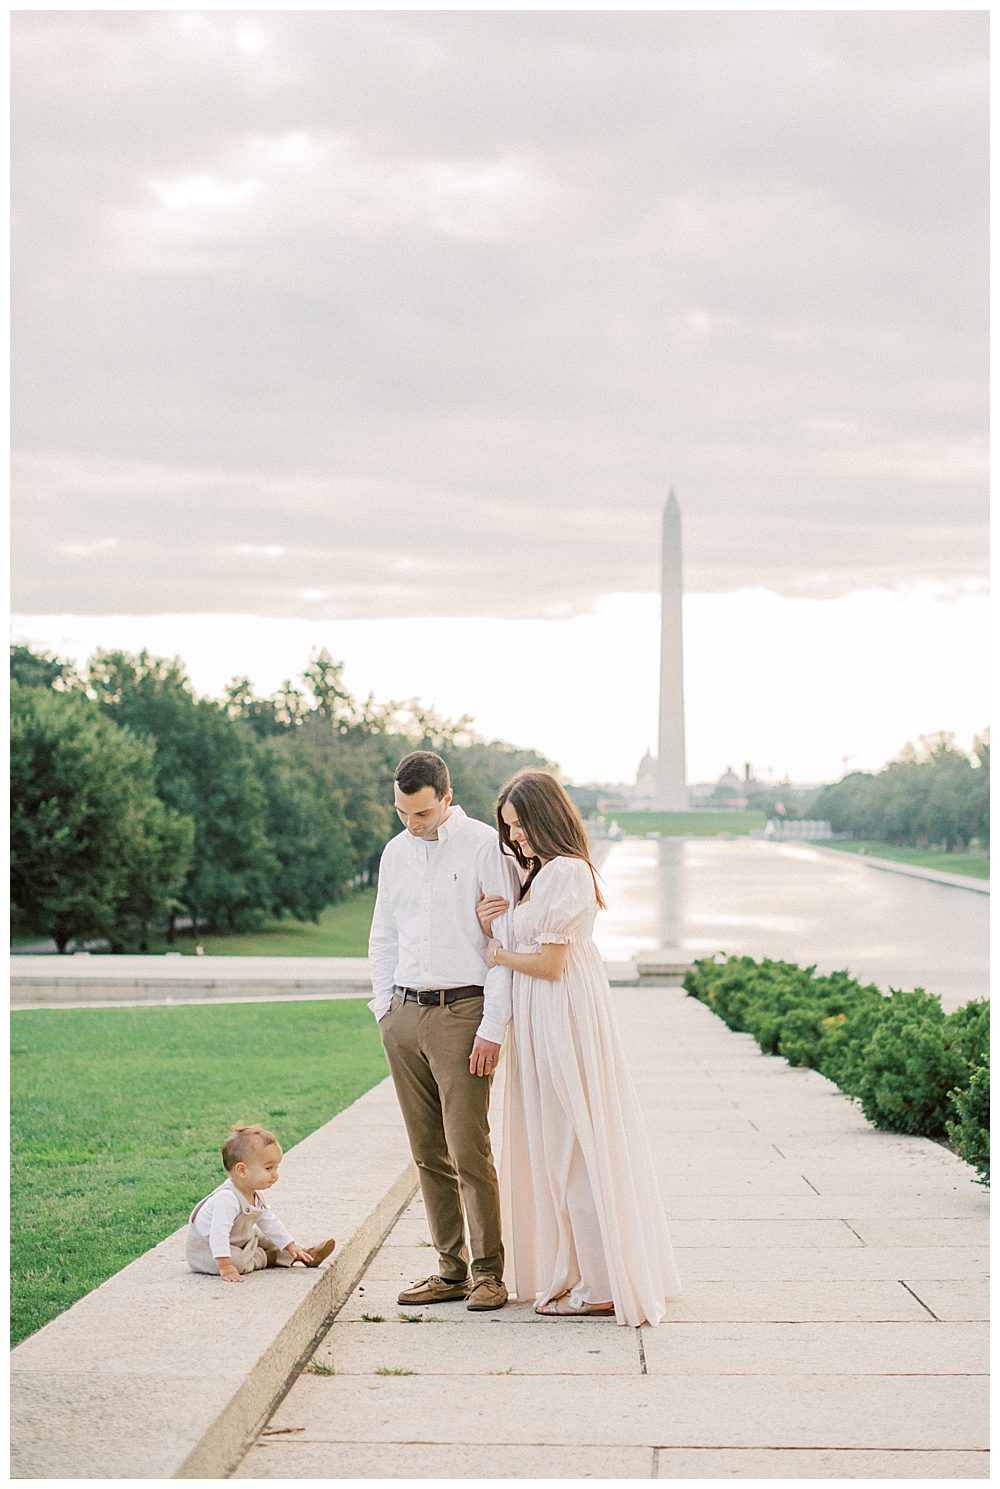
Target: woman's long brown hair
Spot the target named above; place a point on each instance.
(551, 823)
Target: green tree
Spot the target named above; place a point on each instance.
(92, 849)
(356, 768)
(979, 796)
(206, 768)
(155, 862)
(308, 830)
(934, 796)
(39, 669)
(332, 701)
(480, 767)
(259, 714)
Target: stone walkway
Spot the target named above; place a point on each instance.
(832, 1326)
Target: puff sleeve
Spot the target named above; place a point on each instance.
(564, 901)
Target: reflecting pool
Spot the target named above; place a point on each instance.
(796, 902)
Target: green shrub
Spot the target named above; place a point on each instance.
(726, 988)
(968, 1031)
(913, 1068)
(777, 990)
(846, 1035)
(909, 1066)
(971, 1133)
(824, 1028)
(800, 1035)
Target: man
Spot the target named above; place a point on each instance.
(442, 1014)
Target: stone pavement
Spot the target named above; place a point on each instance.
(832, 1324)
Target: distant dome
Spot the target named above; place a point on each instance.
(646, 774)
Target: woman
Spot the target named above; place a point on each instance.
(582, 1215)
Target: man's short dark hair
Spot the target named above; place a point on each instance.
(419, 769)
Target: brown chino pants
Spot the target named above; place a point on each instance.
(445, 1109)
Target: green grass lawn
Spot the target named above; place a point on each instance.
(695, 824)
(975, 865)
(118, 1114)
(342, 930)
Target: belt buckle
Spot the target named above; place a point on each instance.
(430, 997)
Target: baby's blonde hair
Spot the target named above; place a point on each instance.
(241, 1143)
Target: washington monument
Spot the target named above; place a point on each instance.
(671, 774)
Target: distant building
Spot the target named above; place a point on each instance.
(802, 831)
(644, 792)
(729, 791)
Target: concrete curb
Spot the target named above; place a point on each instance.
(43, 981)
(81, 980)
(162, 1373)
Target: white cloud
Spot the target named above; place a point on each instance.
(441, 288)
(203, 191)
(252, 39)
(88, 550)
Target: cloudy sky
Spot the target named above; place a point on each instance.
(389, 331)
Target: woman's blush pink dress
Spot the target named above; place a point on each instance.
(581, 1206)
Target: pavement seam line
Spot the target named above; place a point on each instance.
(663, 1447)
(919, 1300)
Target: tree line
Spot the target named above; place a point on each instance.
(930, 797)
(137, 803)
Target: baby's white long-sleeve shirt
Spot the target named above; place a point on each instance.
(216, 1215)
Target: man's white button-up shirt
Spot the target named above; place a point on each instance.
(425, 933)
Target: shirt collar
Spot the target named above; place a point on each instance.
(451, 824)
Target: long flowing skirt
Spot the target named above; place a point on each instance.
(581, 1206)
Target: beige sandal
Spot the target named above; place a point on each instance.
(565, 1306)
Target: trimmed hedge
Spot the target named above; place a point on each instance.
(912, 1067)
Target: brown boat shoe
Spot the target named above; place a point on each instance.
(488, 1292)
(434, 1290)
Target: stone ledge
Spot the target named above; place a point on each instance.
(162, 1373)
(47, 982)
(668, 961)
(37, 981)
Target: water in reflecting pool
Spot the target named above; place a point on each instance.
(798, 903)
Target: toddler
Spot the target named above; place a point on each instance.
(233, 1230)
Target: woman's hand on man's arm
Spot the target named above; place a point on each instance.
(547, 963)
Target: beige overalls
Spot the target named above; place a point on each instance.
(248, 1247)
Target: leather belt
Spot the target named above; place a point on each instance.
(439, 997)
